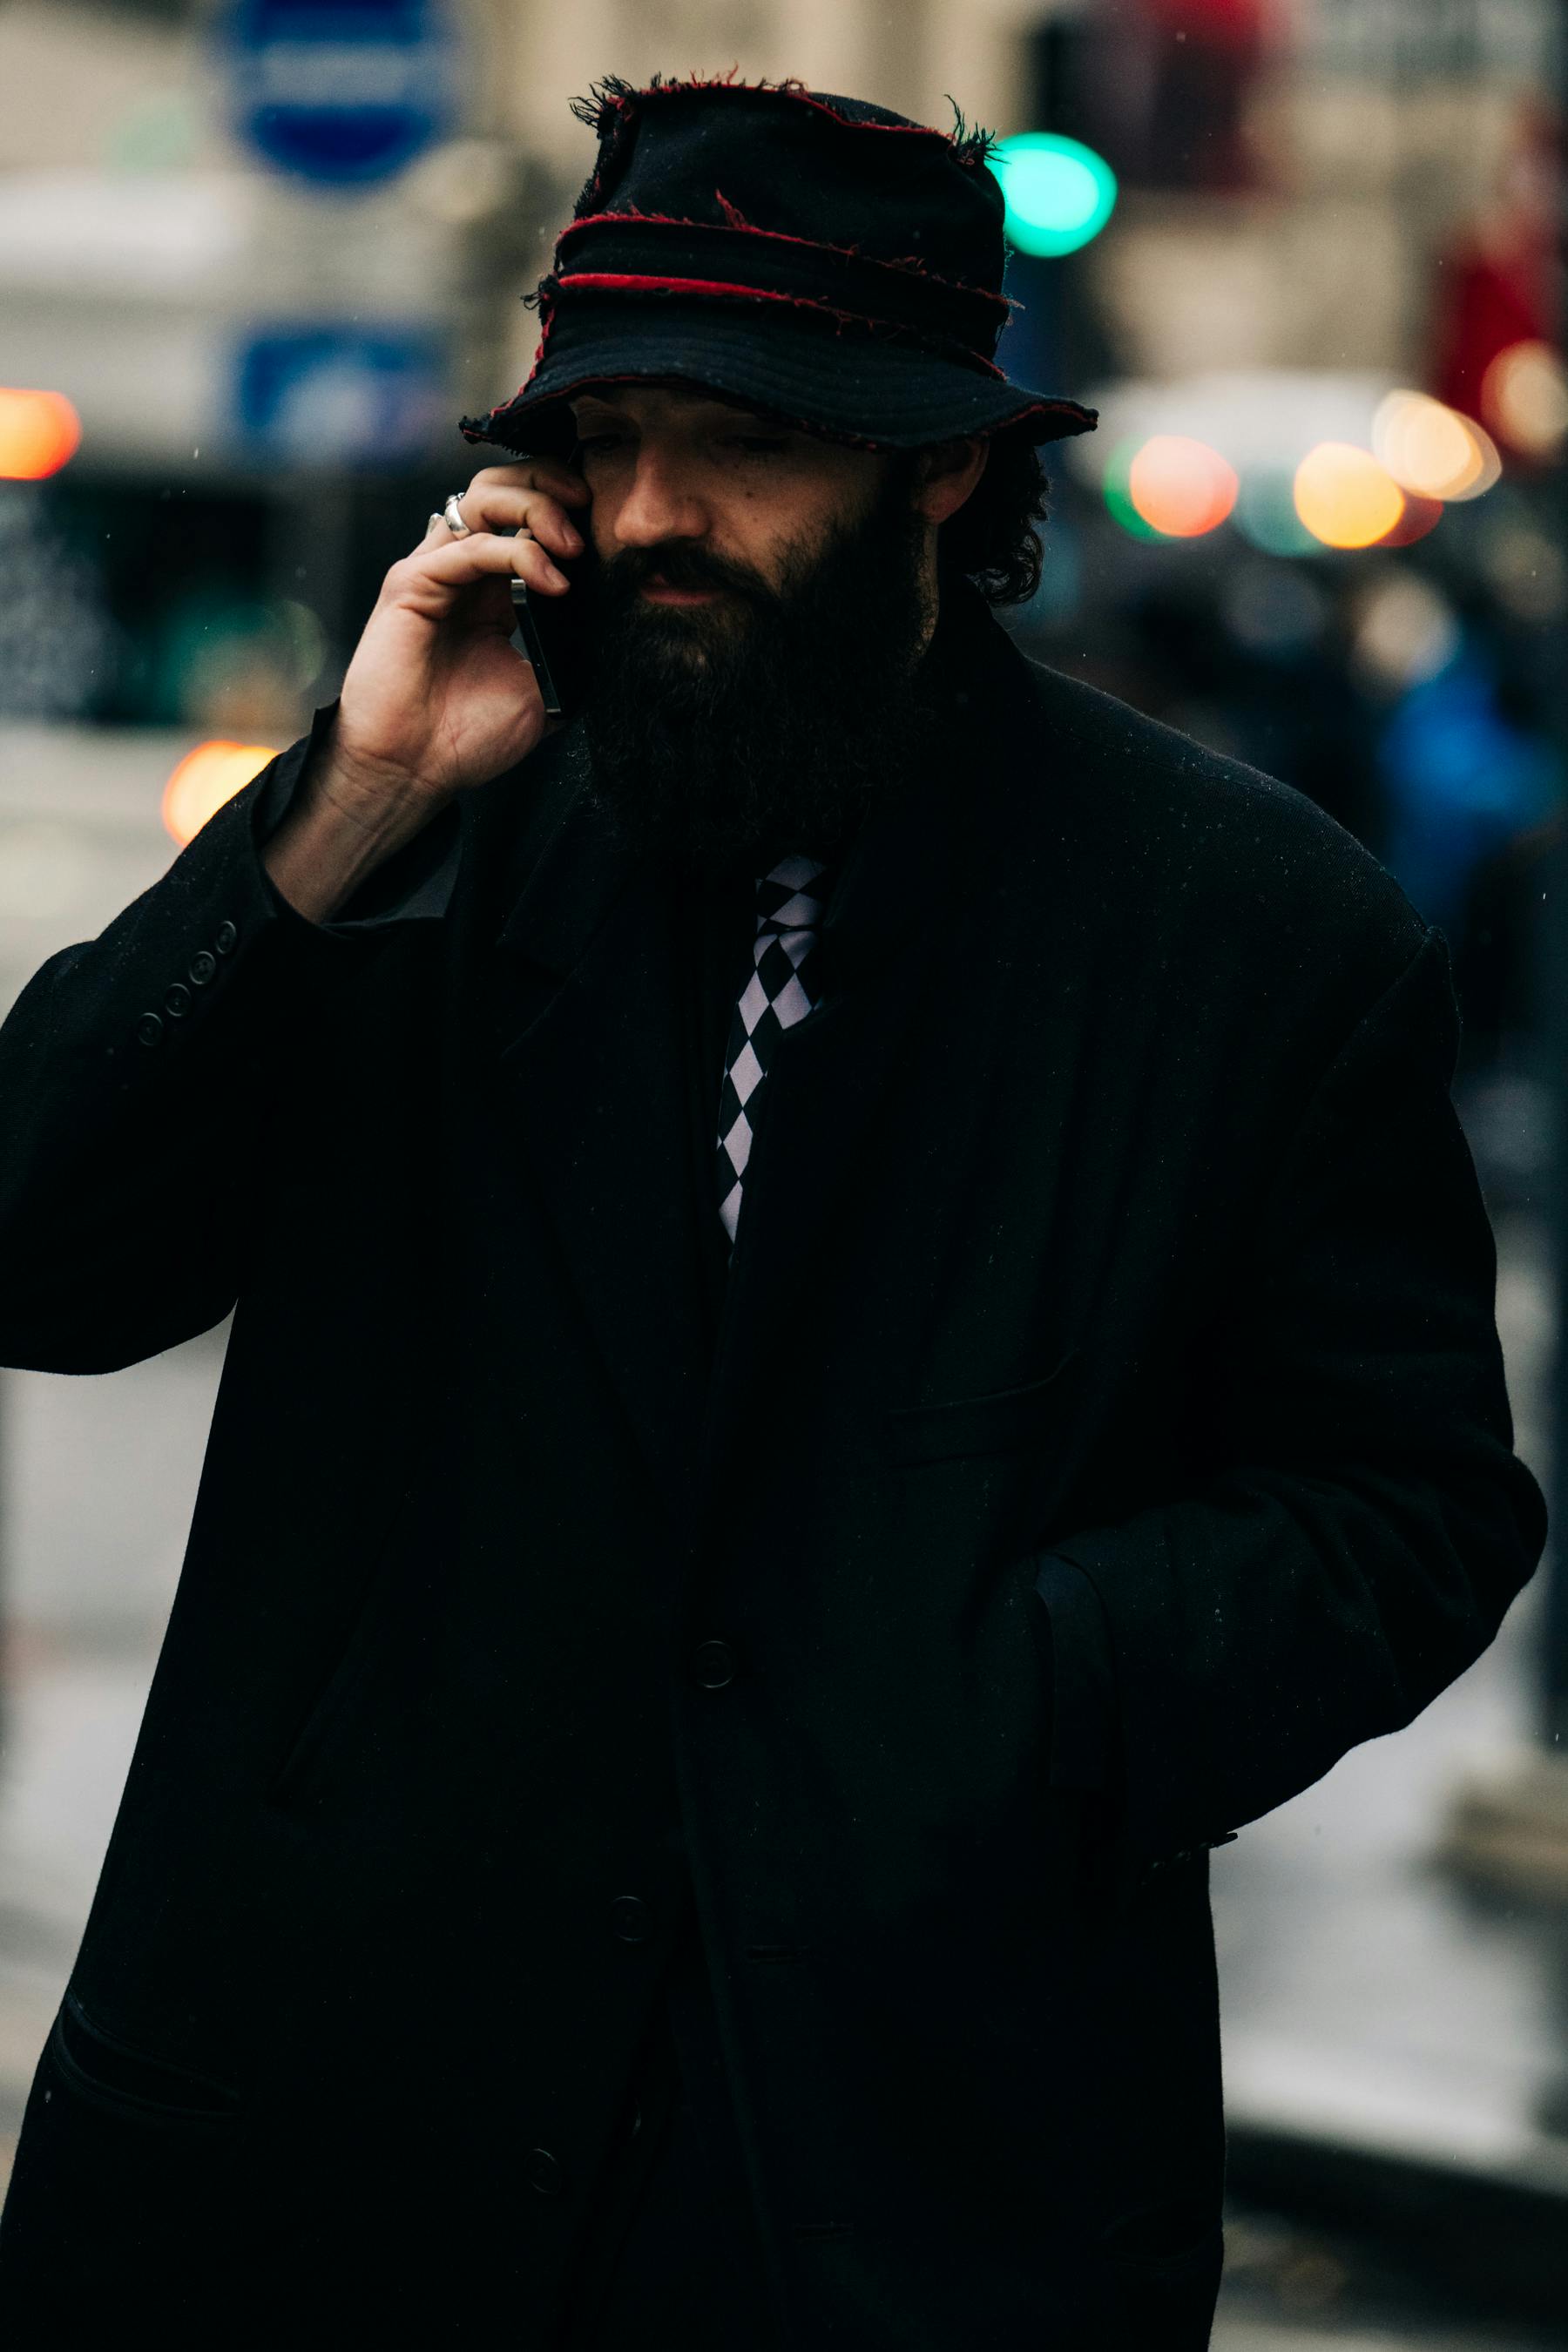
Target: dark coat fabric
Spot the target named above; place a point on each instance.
(1101, 1429)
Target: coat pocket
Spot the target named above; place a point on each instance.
(1000, 1422)
(113, 2075)
(130, 2196)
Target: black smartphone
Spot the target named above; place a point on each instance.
(550, 635)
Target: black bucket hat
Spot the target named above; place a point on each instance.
(815, 258)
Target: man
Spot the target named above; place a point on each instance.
(863, 1326)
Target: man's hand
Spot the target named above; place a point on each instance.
(437, 699)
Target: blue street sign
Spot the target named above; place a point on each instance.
(341, 91)
(339, 396)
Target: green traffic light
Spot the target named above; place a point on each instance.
(1059, 192)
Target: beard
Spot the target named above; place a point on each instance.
(727, 735)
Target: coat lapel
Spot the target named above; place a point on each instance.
(591, 1042)
(593, 1036)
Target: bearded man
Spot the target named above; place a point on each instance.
(862, 1325)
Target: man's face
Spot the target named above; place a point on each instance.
(759, 599)
(697, 491)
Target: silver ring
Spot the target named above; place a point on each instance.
(452, 515)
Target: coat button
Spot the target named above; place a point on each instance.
(203, 964)
(543, 2172)
(631, 1918)
(225, 937)
(177, 1000)
(149, 1028)
(713, 1665)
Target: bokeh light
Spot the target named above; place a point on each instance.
(1432, 450)
(1404, 630)
(1346, 498)
(1181, 488)
(1118, 491)
(39, 433)
(1266, 512)
(204, 779)
(1058, 193)
(1525, 399)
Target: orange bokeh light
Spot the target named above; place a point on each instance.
(1346, 498)
(1181, 488)
(1525, 398)
(204, 779)
(1433, 452)
(39, 433)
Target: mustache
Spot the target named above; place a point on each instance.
(677, 566)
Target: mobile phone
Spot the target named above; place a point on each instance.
(550, 635)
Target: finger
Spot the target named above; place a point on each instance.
(552, 473)
(483, 554)
(500, 506)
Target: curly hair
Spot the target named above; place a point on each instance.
(993, 538)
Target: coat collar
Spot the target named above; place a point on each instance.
(590, 1035)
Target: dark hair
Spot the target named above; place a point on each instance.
(993, 537)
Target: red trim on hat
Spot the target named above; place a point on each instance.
(738, 226)
(614, 281)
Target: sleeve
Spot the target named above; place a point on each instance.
(414, 884)
(1370, 1523)
(140, 1075)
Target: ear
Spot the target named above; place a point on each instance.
(945, 474)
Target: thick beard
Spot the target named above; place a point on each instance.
(726, 736)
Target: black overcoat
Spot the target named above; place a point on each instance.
(1107, 1430)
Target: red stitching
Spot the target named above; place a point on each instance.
(785, 236)
(734, 217)
(610, 282)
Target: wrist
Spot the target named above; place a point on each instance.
(341, 826)
(376, 801)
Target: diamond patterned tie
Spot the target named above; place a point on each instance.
(781, 990)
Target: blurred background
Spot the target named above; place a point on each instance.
(1307, 256)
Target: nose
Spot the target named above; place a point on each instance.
(656, 505)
